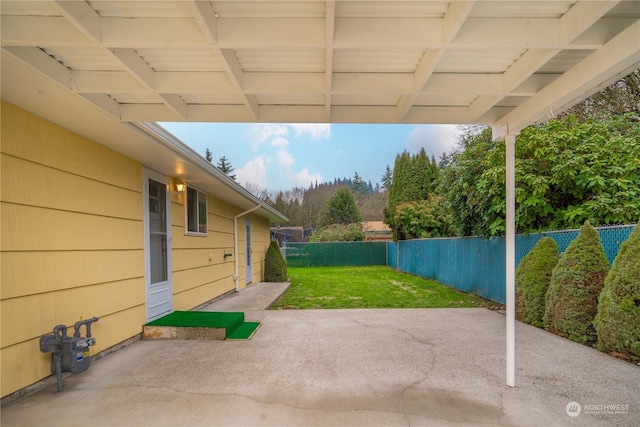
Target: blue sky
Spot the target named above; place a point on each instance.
(284, 156)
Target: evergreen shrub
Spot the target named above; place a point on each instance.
(576, 283)
(275, 266)
(533, 276)
(618, 320)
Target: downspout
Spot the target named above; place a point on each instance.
(235, 243)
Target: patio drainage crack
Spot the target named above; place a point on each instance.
(404, 331)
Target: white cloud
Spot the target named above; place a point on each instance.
(253, 172)
(285, 158)
(305, 178)
(315, 130)
(279, 141)
(262, 132)
(436, 139)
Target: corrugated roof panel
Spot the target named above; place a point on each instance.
(485, 61)
(376, 60)
(182, 59)
(521, 9)
(391, 9)
(289, 60)
(85, 58)
(142, 9)
(270, 9)
(444, 99)
(29, 8)
(137, 98)
(209, 99)
(290, 99)
(365, 99)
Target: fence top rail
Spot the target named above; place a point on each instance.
(541, 233)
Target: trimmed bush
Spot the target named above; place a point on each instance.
(576, 283)
(618, 320)
(339, 233)
(275, 267)
(533, 276)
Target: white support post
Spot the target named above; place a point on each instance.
(511, 257)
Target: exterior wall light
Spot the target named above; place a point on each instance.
(180, 188)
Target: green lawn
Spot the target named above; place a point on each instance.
(369, 287)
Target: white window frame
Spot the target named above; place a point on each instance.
(199, 194)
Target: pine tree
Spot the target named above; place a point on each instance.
(340, 209)
(226, 167)
(387, 178)
(208, 156)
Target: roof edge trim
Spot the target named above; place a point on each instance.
(166, 138)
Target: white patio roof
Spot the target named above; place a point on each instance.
(497, 62)
(99, 68)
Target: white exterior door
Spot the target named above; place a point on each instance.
(157, 240)
(247, 239)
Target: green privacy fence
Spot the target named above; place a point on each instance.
(471, 264)
(477, 265)
(335, 254)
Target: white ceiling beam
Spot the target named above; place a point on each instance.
(375, 83)
(439, 114)
(38, 60)
(519, 71)
(259, 83)
(138, 68)
(151, 32)
(147, 112)
(454, 83)
(509, 32)
(106, 82)
(175, 103)
(452, 22)
(41, 31)
(581, 16)
(236, 75)
(330, 24)
(104, 103)
(219, 113)
(83, 17)
(207, 19)
(255, 32)
(573, 23)
(194, 82)
(613, 61)
(292, 113)
(357, 32)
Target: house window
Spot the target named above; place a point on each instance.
(196, 207)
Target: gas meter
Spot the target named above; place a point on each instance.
(69, 354)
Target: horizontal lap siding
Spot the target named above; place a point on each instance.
(259, 243)
(200, 270)
(71, 244)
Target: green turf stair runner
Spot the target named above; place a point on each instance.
(233, 322)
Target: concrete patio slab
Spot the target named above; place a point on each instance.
(442, 367)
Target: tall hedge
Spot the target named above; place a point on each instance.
(275, 267)
(533, 277)
(576, 283)
(618, 320)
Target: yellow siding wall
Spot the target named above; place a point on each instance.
(200, 270)
(71, 244)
